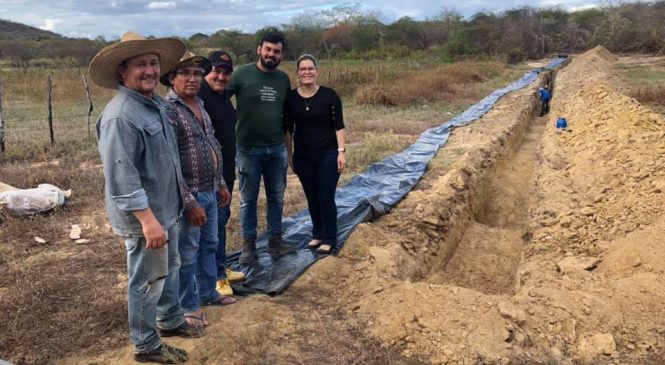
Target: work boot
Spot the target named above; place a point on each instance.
(164, 354)
(223, 287)
(235, 276)
(278, 247)
(248, 252)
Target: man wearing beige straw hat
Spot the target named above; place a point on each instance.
(142, 188)
(205, 189)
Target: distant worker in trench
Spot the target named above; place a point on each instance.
(142, 193)
(544, 95)
(315, 140)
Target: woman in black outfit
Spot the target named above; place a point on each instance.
(315, 144)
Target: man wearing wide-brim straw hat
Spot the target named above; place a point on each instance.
(204, 189)
(142, 188)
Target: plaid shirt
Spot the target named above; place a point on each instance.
(200, 152)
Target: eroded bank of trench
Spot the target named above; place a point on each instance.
(476, 241)
(488, 254)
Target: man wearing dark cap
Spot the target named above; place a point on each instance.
(217, 103)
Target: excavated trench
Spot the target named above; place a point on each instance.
(488, 254)
(481, 250)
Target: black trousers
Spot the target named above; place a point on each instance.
(317, 171)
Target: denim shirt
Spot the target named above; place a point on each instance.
(141, 161)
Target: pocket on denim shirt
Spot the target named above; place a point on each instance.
(153, 127)
(155, 139)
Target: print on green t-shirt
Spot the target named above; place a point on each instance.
(260, 100)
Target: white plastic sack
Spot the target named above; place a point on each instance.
(31, 201)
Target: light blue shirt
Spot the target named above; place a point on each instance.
(141, 161)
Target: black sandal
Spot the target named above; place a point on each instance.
(324, 251)
(314, 243)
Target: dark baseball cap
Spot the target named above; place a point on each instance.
(221, 59)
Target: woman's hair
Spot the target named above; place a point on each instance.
(305, 56)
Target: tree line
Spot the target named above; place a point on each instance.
(348, 33)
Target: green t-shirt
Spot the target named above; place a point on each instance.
(260, 100)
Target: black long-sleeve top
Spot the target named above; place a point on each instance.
(223, 116)
(313, 121)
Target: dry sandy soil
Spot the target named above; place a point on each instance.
(521, 245)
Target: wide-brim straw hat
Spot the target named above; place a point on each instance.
(187, 60)
(104, 66)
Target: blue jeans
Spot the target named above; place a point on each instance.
(152, 291)
(254, 162)
(223, 215)
(198, 245)
(317, 171)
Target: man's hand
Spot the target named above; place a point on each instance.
(291, 163)
(224, 197)
(155, 236)
(196, 216)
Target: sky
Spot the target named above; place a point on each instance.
(111, 18)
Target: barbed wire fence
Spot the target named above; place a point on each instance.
(27, 124)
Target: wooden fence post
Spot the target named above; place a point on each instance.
(90, 106)
(2, 125)
(50, 109)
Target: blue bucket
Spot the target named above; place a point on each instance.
(561, 123)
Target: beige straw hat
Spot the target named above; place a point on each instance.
(188, 59)
(104, 66)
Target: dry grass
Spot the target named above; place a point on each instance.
(62, 298)
(59, 296)
(648, 94)
(438, 82)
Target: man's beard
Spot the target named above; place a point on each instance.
(266, 62)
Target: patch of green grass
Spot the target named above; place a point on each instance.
(375, 147)
(645, 76)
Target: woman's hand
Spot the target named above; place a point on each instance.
(341, 161)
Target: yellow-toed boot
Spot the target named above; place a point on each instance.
(234, 276)
(224, 287)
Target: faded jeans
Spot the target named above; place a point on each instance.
(152, 293)
(198, 245)
(254, 162)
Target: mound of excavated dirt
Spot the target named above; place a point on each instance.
(524, 244)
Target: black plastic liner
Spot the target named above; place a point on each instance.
(367, 196)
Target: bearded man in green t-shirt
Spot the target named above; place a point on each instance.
(260, 90)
